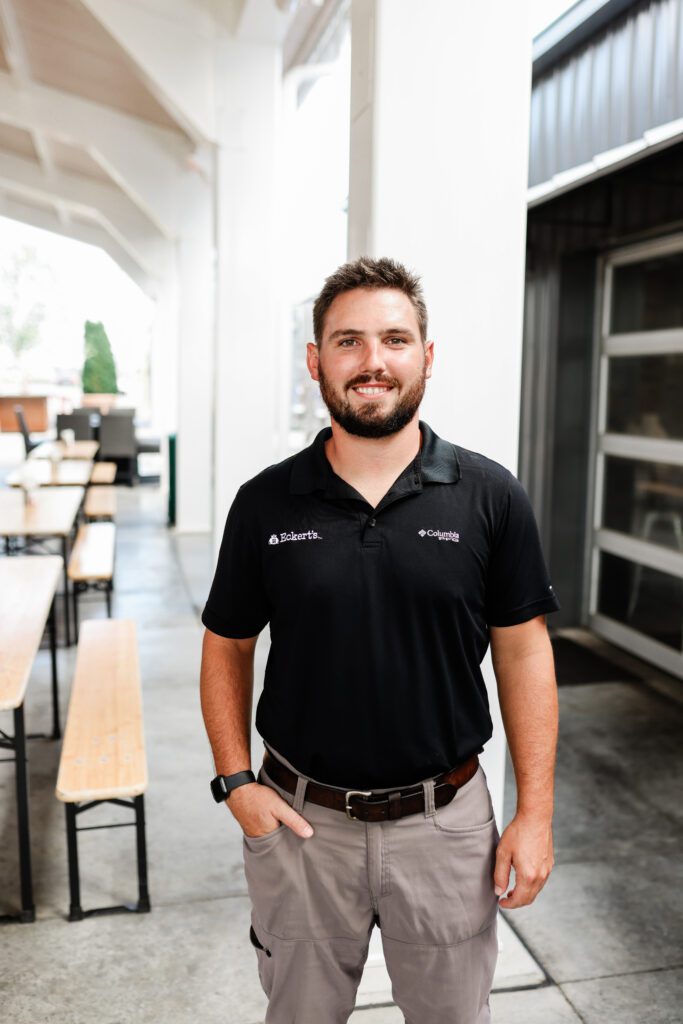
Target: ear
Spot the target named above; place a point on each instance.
(429, 358)
(312, 360)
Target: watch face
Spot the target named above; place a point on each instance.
(218, 789)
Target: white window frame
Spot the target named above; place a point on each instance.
(607, 345)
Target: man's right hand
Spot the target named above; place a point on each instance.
(259, 810)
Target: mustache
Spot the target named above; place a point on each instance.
(365, 380)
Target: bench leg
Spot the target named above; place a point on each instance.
(75, 593)
(143, 900)
(28, 912)
(56, 729)
(108, 596)
(65, 559)
(75, 910)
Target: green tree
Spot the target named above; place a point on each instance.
(99, 369)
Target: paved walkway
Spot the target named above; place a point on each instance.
(606, 930)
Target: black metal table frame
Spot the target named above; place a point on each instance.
(17, 743)
(31, 542)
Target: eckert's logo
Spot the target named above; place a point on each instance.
(441, 534)
(282, 538)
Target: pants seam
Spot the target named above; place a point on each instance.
(362, 939)
(441, 945)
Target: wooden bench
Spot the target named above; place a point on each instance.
(103, 473)
(100, 503)
(103, 756)
(91, 565)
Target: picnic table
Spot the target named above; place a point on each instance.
(27, 597)
(52, 515)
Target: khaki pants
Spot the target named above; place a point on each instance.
(426, 880)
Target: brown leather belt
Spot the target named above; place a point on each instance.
(363, 805)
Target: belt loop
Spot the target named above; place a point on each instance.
(300, 794)
(428, 789)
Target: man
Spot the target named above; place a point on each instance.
(385, 560)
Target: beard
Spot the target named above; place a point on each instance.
(370, 420)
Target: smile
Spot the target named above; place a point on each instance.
(372, 391)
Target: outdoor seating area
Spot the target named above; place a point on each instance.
(58, 538)
(323, 471)
(103, 433)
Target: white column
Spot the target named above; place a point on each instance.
(195, 366)
(249, 323)
(439, 139)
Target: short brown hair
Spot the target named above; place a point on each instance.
(366, 272)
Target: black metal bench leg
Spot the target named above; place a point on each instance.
(108, 596)
(28, 912)
(75, 591)
(56, 728)
(75, 910)
(65, 557)
(144, 905)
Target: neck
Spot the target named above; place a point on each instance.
(367, 457)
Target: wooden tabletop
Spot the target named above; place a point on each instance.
(51, 515)
(103, 755)
(59, 450)
(27, 586)
(65, 473)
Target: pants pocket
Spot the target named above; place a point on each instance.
(470, 810)
(253, 937)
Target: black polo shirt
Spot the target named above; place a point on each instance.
(378, 617)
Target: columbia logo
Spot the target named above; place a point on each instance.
(441, 534)
(273, 539)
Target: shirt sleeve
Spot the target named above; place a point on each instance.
(518, 582)
(237, 605)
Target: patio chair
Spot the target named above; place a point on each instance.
(78, 421)
(29, 445)
(117, 441)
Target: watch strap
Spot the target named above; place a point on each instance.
(223, 785)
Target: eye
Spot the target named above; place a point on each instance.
(401, 341)
(346, 342)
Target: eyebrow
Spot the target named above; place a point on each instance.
(346, 331)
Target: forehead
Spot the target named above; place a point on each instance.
(372, 310)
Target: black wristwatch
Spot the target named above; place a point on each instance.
(223, 785)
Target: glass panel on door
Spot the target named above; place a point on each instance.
(644, 395)
(643, 598)
(644, 500)
(648, 295)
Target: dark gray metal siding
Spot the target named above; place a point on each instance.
(610, 91)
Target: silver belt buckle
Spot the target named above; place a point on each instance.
(355, 792)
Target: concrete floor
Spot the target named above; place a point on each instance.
(606, 930)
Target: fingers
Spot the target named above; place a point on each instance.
(288, 816)
(525, 890)
(501, 875)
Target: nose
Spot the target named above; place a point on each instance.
(373, 360)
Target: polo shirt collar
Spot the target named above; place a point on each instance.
(436, 463)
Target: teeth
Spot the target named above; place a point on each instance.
(371, 391)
